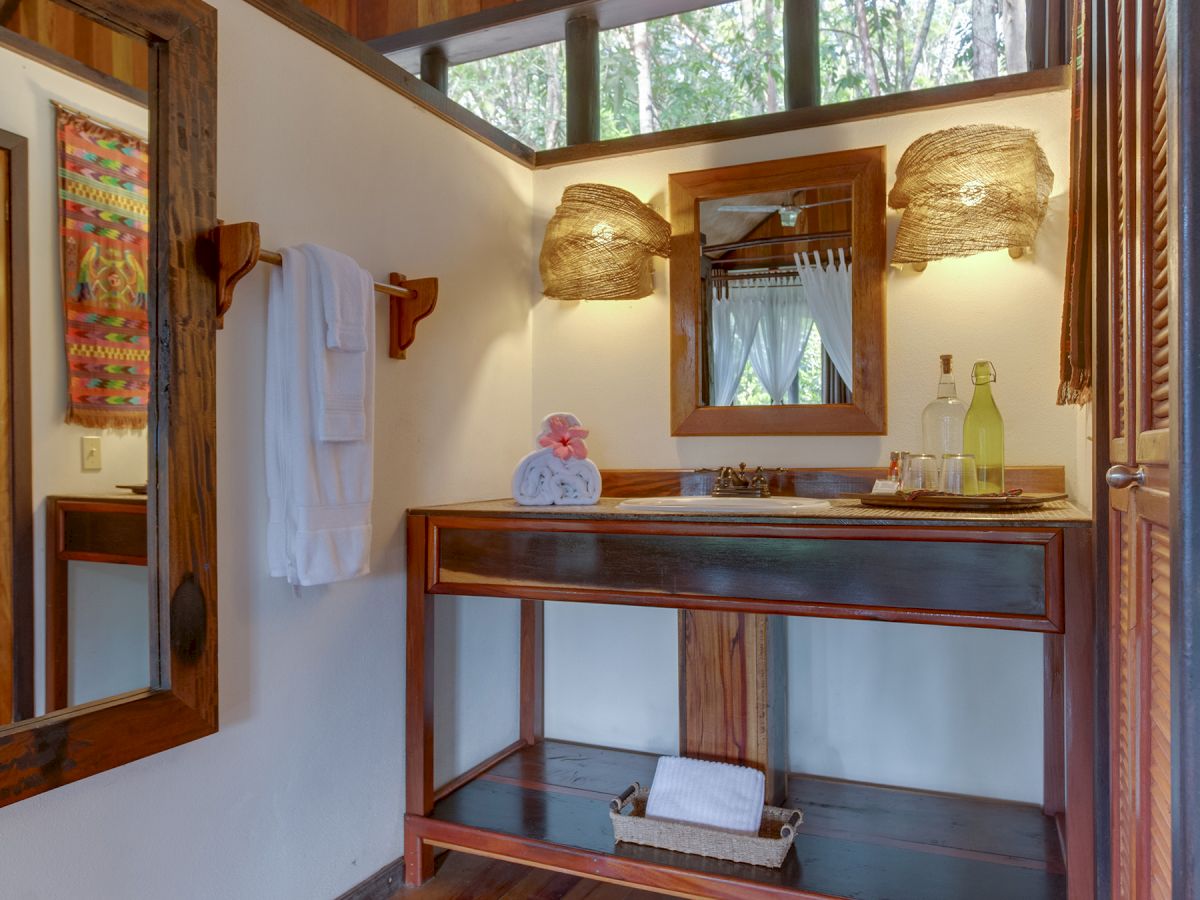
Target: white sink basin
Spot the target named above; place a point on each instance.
(757, 506)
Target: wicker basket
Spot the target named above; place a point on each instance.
(768, 848)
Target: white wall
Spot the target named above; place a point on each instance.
(300, 794)
(26, 91)
(949, 709)
(108, 634)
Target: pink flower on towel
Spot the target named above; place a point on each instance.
(565, 438)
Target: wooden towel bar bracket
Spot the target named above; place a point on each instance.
(237, 249)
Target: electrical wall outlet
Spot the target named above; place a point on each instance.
(91, 453)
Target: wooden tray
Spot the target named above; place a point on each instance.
(954, 502)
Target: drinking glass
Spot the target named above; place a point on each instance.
(959, 475)
(921, 472)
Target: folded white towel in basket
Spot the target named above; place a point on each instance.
(707, 793)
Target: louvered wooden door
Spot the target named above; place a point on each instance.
(1139, 295)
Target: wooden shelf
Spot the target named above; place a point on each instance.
(547, 805)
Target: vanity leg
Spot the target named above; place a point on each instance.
(1053, 726)
(1080, 664)
(532, 671)
(419, 713)
(58, 605)
(418, 859)
(733, 692)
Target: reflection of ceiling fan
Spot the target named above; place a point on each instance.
(788, 214)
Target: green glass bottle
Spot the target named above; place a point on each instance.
(983, 431)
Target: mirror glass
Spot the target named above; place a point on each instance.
(76, 92)
(775, 285)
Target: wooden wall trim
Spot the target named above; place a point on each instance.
(19, 456)
(322, 32)
(31, 49)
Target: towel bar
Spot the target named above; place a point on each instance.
(237, 249)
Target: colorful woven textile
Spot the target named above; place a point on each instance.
(103, 190)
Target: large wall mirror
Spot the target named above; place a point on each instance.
(777, 306)
(107, 532)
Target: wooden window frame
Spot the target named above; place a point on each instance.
(865, 169)
(319, 30)
(16, 556)
(180, 705)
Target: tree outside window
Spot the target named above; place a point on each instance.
(726, 62)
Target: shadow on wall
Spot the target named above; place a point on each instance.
(914, 709)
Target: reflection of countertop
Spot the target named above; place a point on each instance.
(1057, 514)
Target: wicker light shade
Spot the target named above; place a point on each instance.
(599, 243)
(970, 189)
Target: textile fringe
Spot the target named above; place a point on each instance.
(107, 420)
(1074, 395)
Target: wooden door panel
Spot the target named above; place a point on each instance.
(1139, 297)
(1124, 717)
(1158, 712)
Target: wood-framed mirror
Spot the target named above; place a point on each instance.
(777, 297)
(112, 322)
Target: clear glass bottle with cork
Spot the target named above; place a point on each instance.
(943, 419)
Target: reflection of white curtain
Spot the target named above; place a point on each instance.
(734, 324)
(829, 297)
(783, 333)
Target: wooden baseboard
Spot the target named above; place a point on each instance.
(383, 885)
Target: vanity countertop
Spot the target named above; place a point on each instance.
(1057, 514)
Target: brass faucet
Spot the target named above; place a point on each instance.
(731, 482)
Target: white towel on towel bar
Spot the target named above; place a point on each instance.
(319, 491)
(707, 793)
(345, 294)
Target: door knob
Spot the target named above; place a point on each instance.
(1125, 476)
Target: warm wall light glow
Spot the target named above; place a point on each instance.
(603, 233)
(599, 244)
(967, 190)
(972, 193)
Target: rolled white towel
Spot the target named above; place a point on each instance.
(542, 479)
(715, 794)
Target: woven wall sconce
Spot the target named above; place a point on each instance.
(598, 245)
(967, 190)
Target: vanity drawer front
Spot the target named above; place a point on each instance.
(936, 571)
(101, 532)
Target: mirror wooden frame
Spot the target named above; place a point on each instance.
(865, 170)
(180, 705)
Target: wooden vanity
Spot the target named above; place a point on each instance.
(545, 802)
(101, 528)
